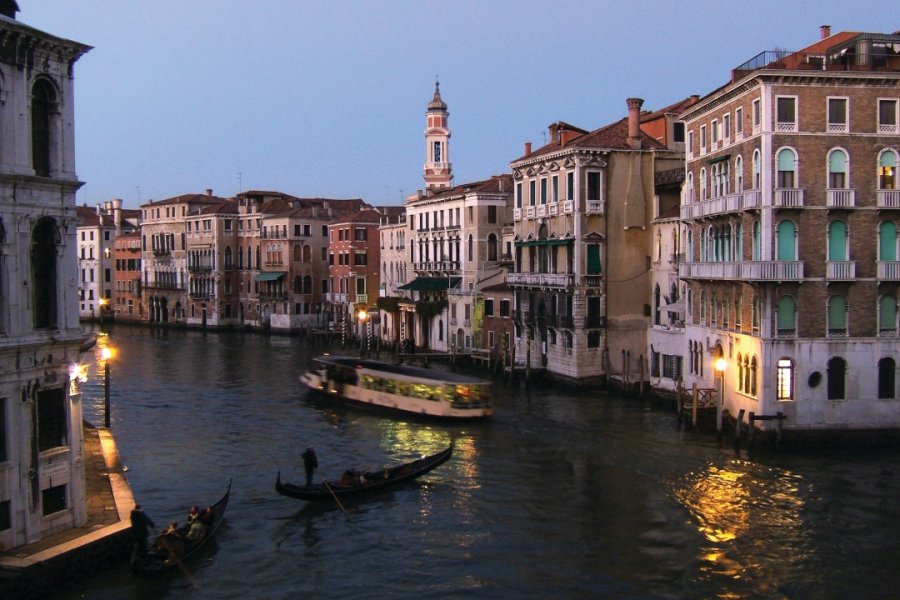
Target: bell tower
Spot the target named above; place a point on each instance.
(438, 170)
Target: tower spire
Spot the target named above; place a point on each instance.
(438, 170)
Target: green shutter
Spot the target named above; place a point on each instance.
(786, 241)
(593, 259)
(837, 241)
(785, 317)
(837, 312)
(887, 241)
(837, 162)
(887, 315)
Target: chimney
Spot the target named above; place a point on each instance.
(825, 30)
(209, 192)
(634, 122)
(117, 214)
(527, 148)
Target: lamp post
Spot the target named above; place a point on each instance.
(102, 302)
(363, 334)
(720, 365)
(106, 355)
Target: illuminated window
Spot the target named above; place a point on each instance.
(785, 380)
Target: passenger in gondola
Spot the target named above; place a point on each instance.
(208, 517)
(348, 478)
(197, 530)
(172, 529)
(193, 515)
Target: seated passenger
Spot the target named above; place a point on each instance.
(197, 530)
(193, 515)
(172, 529)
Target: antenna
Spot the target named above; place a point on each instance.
(240, 181)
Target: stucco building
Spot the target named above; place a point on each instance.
(42, 489)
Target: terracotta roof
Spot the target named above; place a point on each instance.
(674, 108)
(610, 137)
(496, 184)
(88, 217)
(186, 199)
(364, 216)
(498, 287)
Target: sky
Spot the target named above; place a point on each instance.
(327, 99)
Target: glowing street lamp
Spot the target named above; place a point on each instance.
(106, 355)
(363, 316)
(103, 303)
(720, 364)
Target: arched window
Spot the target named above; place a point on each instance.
(471, 248)
(837, 316)
(492, 247)
(43, 101)
(656, 304)
(307, 284)
(887, 316)
(786, 242)
(298, 253)
(887, 370)
(837, 169)
(689, 249)
(229, 260)
(757, 170)
(757, 243)
(703, 188)
(740, 374)
(887, 170)
(44, 241)
(785, 318)
(240, 258)
(307, 253)
(787, 168)
(753, 376)
(887, 241)
(298, 284)
(689, 189)
(837, 241)
(837, 375)
(739, 174)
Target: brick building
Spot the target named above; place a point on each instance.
(791, 213)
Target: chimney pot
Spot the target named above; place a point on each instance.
(527, 148)
(634, 121)
(209, 192)
(825, 30)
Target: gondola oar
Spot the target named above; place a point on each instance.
(174, 557)
(333, 495)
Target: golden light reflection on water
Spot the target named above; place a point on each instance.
(738, 505)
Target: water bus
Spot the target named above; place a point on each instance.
(402, 388)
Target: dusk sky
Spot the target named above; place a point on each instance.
(328, 98)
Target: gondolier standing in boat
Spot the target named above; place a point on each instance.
(140, 528)
(311, 463)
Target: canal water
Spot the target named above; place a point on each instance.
(561, 494)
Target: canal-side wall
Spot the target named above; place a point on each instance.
(41, 569)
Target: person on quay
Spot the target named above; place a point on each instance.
(310, 463)
(140, 528)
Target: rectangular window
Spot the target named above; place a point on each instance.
(678, 132)
(726, 128)
(504, 308)
(570, 185)
(360, 259)
(837, 115)
(519, 195)
(5, 516)
(757, 115)
(739, 122)
(554, 189)
(888, 118)
(489, 307)
(52, 430)
(593, 259)
(360, 285)
(594, 186)
(715, 133)
(53, 499)
(702, 139)
(543, 190)
(784, 385)
(786, 113)
(3, 449)
(492, 214)
(532, 188)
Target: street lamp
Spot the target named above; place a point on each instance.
(720, 364)
(106, 355)
(363, 338)
(103, 302)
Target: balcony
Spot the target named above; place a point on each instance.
(592, 281)
(752, 199)
(541, 210)
(542, 280)
(277, 295)
(889, 270)
(200, 269)
(840, 198)
(748, 270)
(593, 207)
(517, 214)
(564, 321)
(888, 199)
(713, 206)
(529, 212)
(840, 270)
(569, 207)
(789, 198)
(362, 299)
(162, 252)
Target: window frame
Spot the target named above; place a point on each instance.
(888, 128)
(836, 126)
(783, 126)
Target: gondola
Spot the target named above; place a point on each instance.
(355, 484)
(169, 552)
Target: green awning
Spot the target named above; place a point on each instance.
(430, 284)
(553, 242)
(271, 276)
(560, 242)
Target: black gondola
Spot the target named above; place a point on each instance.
(169, 552)
(354, 484)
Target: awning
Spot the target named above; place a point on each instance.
(553, 242)
(430, 284)
(676, 307)
(271, 276)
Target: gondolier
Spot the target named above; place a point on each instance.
(310, 463)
